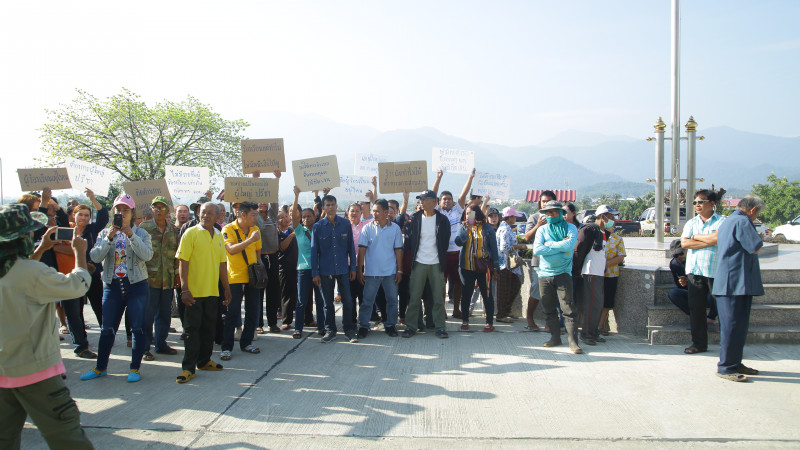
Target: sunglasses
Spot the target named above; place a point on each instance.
(699, 202)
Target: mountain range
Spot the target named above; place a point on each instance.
(591, 163)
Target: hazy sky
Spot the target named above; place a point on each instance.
(507, 72)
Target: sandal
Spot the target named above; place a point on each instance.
(694, 349)
(184, 377)
(211, 365)
(63, 330)
(488, 329)
(505, 319)
(464, 327)
(533, 327)
(225, 355)
(297, 335)
(88, 354)
(744, 370)
(732, 376)
(148, 356)
(251, 349)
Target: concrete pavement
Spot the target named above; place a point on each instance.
(472, 390)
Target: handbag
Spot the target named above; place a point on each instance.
(483, 264)
(256, 271)
(514, 260)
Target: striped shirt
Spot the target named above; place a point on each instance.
(702, 261)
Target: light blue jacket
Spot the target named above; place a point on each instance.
(556, 256)
(103, 251)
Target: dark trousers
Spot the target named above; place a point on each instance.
(199, 322)
(306, 289)
(403, 294)
(52, 410)
(469, 277)
(699, 292)
(592, 296)
(557, 291)
(734, 322)
(77, 327)
(680, 298)
(357, 294)
(251, 301)
(95, 295)
(272, 292)
(288, 280)
(508, 286)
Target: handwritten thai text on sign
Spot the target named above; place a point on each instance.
(143, 192)
(496, 185)
(367, 163)
(397, 177)
(451, 160)
(184, 181)
(256, 190)
(264, 155)
(84, 175)
(316, 173)
(37, 179)
(352, 187)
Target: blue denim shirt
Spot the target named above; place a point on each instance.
(332, 249)
(142, 251)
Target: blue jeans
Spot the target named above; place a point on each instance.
(251, 299)
(371, 286)
(119, 296)
(158, 315)
(77, 327)
(343, 282)
(680, 298)
(304, 285)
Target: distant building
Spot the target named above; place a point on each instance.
(730, 202)
(562, 195)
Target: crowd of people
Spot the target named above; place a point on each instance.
(228, 270)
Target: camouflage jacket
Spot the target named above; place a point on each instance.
(163, 266)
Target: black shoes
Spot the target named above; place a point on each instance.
(391, 331)
(363, 332)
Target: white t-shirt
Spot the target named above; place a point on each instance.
(595, 262)
(427, 252)
(454, 216)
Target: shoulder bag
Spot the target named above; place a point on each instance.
(256, 271)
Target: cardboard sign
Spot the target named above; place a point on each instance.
(186, 182)
(396, 177)
(450, 160)
(496, 185)
(37, 179)
(256, 190)
(366, 164)
(316, 173)
(84, 175)
(264, 155)
(144, 191)
(352, 187)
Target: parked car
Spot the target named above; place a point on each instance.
(648, 221)
(623, 227)
(762, 228)
(790, 231)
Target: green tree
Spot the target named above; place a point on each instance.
(782, 198)
(137, 141)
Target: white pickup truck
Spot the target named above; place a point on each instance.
(648, 221)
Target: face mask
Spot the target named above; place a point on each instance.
(555, 219)
(609, 224)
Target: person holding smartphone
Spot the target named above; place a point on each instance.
(478, 255)
(123, 249)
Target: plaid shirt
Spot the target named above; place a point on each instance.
(702, 261)
(163, 266)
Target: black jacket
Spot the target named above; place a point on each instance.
(442, 236)
(590, 235)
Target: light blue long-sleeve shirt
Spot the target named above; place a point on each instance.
(555, 256)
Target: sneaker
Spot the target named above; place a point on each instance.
(351, 337)
(329, 336)
(321, 332)
(408, 333)
(167, 351)
(442, 334)
(148, 356)
(134, 376)
(184, 377)
(488, 329)
(391, 331)
(92, 374)
(237, 334)
(465, 326)
(363, 332)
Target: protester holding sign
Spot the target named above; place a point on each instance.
(123, 249)
(454, 213)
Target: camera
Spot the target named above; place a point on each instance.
(64, 234)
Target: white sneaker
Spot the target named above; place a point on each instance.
(237, 334)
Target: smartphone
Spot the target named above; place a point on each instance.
(64, 234)
(118, 220)
(471, 217)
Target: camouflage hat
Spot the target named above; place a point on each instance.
(16, 221)
(160, 199)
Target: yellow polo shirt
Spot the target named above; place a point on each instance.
(204, 255)
(237, 268)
